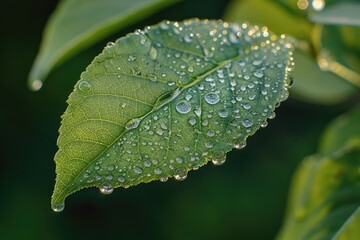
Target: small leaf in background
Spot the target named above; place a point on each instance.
(161, 102)
(339, 13)
(76, 24)
(343, 131)
(316, 86)
(325, 198)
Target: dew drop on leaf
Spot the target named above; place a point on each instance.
(84, 86)
(212, 98)
(106, 188)
(180, 174)
(183, 107)
(58, 207)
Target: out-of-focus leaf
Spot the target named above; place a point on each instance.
(270, 14)
(343, 131)
(339, 13)
(76, 24)
(325, 198)
(163, 101)
(325, 195)
(334, 56)
(316, 86)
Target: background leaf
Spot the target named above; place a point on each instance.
(76, 24)
(316, 86)
(339, 13)
(325, 198)
(160, 102)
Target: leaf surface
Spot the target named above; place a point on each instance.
(76, 24)
(160, 102)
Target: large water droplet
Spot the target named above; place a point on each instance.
(106, 188)
(84, 86)
(138, 170)
(218, 158)
(180, 174)
(134, 123)
(212, 98)
(183, 107)
(223, 113)
(240, 145)
(247, 122)
(36, 85)
(58, 207)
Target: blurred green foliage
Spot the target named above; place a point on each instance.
(243, 199)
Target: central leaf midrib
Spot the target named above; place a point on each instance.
(196, 81)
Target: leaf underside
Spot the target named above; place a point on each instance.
(162, 101)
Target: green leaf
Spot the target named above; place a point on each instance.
(342, 132)
(325, 198)
(160, 102)
(76, 24)
(339, 13)
(325, 195)
(316, 86)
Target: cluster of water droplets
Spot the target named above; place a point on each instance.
(225, 81)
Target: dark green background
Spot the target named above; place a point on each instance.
(243, 199)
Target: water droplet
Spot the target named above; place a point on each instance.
(153, 53)
(264, 124)
(272, 116)
(134, 123)
(246, 106)
(257, 62)
(197, 111)
(180, 174)
(179, 160)
(153, 77)
(210, 133)
(58, 207)
(121, 179)
(192, 121)
(157, 171)
(218, 158)
(84, 86)
(137, 170)
(110, 44)
(106, 188)
(209, 144)
(36, 86)
(240, 145)
(183, 107)
(247, 122)
(136, 71)
(187, 38)
(258, 74)
(212, 98)
(223, 113)
(233, 38)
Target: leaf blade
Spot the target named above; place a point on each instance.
(77, 24)
(152, 89)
